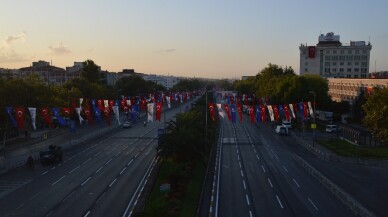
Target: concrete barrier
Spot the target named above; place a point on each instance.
(357, 208)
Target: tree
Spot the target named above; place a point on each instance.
(131, 86)
(376, 109)
(91, 72)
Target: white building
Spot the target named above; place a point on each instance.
(329, 58)
(167, 81)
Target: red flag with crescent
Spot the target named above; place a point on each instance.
(46, 117)
(20, 116)
(158, 110)
(239, 109)
(212, 112)
(227, 110)
(252, 114)
(262, 113)
(88, 114)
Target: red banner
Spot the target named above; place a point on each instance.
(287, 112)
(158, 110)
(262, 113)
(311, 50)
(46, 116)
(227, 110)
(212, 112)
(239, 109)
(20, 116)
(252, 114)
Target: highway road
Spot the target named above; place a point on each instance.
(258, 176)
(100, 178)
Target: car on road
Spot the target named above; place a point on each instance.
(53, 155)
(127, 124)
(332, 128)
(281, 130)
(287, 124)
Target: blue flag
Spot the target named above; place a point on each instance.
(97, 114)
(72, 126)
(9, 112)
(233, 110)
(258, 114)
(281, 111)
(60, 119)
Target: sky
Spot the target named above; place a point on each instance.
(197, 38)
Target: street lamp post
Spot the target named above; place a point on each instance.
(315, 122)
(206, 115)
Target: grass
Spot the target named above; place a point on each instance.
(161, 204)
(344, 148)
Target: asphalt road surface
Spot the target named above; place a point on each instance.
(259, 177)
(100, 178)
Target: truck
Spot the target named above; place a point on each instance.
(325, 116)
(51, 156)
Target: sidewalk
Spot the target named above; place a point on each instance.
(306, 140)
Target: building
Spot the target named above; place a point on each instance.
(9, 73)
(50, 75)
(246, 77)
(329, 58)
(345, 89)
(167, 81)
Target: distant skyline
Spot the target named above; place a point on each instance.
(210, 39)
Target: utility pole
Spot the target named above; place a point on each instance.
(206, 115)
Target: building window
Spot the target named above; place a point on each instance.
(349, 51)
(334, 51)
(364, 64)
(342, 52)
(334, 63)
(357, 51)
(356, 69)
(364, 51)
(327, 58)
(327, 69)
(363, 76)
(349, 58)
(305, 69)
(349, 63)
(356, 63)
(341, 69)
(327, 51)
(334, 69)
(348, 69)
(348, 76)
(341, 63)
(355, 76)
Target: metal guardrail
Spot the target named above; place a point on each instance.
(357, 208)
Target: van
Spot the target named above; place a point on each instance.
(281, 130)
(331, 128)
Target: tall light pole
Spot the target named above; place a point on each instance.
(206, 115)
(315, 123)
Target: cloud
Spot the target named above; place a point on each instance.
(59, 49)
(11, 56)
(14, 38)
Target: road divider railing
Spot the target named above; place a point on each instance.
(357, 208)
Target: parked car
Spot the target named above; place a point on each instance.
(332, 128)
(127, 124)
(281, 130)
(53, 155)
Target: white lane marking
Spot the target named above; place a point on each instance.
(254, 149)
(110, 185)
(313, 204)
(129, 163)
(74, 169)
(124, 148)
(106, 147)
(237, 151)
(285, 169)
(137, 154)
(52, 168)
(83, 183)
(238, 157)
(59, 180)
(67, 197)
(117, 154)
(245, 187)
(250, 214)
(20, 206)
(123, 170)
(97, 154)
(48, 214)
(270, 183)
(296, 183)
(87, 213)
(100, 197)
(86, 161)
(263, 168)
(239, 164)
(246, 196)
(280, 203)
(276, 156)
(99, 169)
(108, 161)
(241, 173)
(44, 173)
(257, 157)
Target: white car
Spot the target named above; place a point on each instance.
(287, 124)
(331, 128)
(281, 130)
(127, 124)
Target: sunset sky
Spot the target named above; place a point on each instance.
(212, 39)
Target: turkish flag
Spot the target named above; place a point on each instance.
(239, 109)
(20, 116)
(227, 110)
(263, 113)
(158, 110)
(287, 112)
(100, 104)
(44, 112)
(107, 115)
(111, 103)
(305, 110)
(276, 112)
(311, 51)
(88, 114)
(252, 114)
(66, 111)
(212, 112)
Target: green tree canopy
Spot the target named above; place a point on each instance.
(91, 72)
(376, 109)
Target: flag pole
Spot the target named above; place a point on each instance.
(206, 115)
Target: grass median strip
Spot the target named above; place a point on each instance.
(344, 148)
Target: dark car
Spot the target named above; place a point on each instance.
(53, 155)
